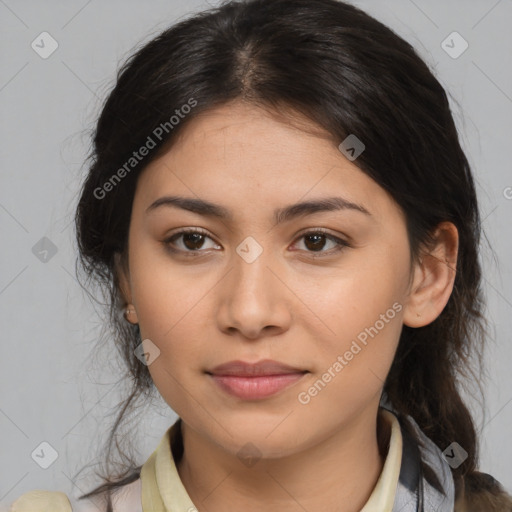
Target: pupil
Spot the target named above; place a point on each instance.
(195, 238)
(315, 244)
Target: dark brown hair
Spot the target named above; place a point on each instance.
(349, 74)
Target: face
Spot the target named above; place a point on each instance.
(322, 291)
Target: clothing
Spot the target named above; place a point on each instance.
(414, 492)
(160, 489)
(160, 496)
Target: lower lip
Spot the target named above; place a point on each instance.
(255, 388)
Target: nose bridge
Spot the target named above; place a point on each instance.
(251, 263)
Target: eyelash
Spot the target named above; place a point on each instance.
(341, 244)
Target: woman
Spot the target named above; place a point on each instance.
(279, 203)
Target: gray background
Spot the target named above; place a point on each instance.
(52, 387)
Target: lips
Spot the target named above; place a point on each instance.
(261, 368)
(255, 381)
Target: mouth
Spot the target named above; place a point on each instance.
(255, 381)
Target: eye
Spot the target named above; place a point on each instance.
(314, 242)
(192, 241)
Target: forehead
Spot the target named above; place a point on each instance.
(237, 129)
(246, 156)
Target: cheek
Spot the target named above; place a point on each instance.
(358, 325)
(172, 320)
(169, 314)
(354, 297)
(165, 293)
(351, 367)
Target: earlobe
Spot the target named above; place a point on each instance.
(434, 277)
(130, 314)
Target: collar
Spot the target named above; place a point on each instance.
(163, 490)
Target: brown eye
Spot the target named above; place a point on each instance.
(192, 241)
(315, 241)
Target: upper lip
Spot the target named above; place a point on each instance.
(244, 369)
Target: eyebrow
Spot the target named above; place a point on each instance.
(208, 209)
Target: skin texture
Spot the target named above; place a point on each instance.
(286, 305)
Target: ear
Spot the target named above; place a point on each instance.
(433, 278)
(123, 278)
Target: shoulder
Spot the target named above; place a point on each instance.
(125, 499)
(41, 500)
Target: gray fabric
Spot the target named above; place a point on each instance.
(406, 499)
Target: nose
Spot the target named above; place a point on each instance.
(254, 300)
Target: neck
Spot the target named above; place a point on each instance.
(337, 473)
